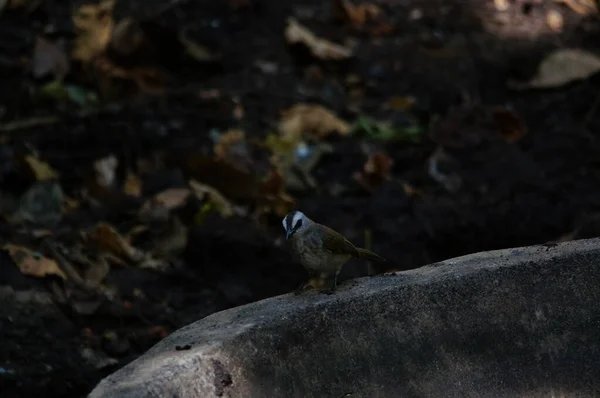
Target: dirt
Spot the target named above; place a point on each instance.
(451, 57)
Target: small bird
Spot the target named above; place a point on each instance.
(320, 249)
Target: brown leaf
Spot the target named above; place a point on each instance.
(581, 7)
(314, 120)
(320, 48)
(375, 171)
(32, 263)
(561, 67)
(194, 49)
(115, 80)
(41, 170)
(363, 14)
(127, 37)
(93, 25)
(214, 197)
(165, 201)
(49, 58)
(555, 21)
(107, 239)
(232, 147)
(133, 185)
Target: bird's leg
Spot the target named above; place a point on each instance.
(305, 285)
(331, 290)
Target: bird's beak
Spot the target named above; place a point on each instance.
(288, 233)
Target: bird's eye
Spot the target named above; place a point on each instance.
(298, 224)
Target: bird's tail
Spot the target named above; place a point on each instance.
(369, 255)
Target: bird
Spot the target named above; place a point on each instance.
(321, 250)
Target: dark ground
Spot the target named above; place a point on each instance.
(458, 53)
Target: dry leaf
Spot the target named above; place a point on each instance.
(106, 171)
(554, 19)
(362, 14)
(501, 5)
(314, 120)
(93, 25)
(375, 171)
(41, 170)
(320, 48)
(32, 263)
(165, 201)
(107, 239)
(220, 203)
(115, 81)
(231, 146)
(400, 103)
(358, 14)
(194, 49)
(561, 67)
(133, 185)
(127, 37)
(49, 58)
(581, 7)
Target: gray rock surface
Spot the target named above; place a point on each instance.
(509, 323)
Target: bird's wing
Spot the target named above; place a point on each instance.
(336, 243)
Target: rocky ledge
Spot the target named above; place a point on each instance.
(508, 323)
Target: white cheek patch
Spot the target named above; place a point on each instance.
(297, 217)
(284, 223)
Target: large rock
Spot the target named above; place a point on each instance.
(509, 323)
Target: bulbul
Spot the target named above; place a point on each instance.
(320, 249)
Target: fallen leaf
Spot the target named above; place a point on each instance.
(107, 239)
(106, 171)
(126, 37)
(362, 14)
(194, 49)
(385, 131)
(561, 67)
(40, 205)
(49, 58)
(93, 25)
(59, 91)
(400, 103)
(41, 170)
(313, 120)
(232, 147)
(162, 203)
(219, 202)
(375, 171)
(320, 48)
(554, 19)
(132, 185)
(115, 81)
(581, 7)
(501, 5)
(32, 263)
(358, 14)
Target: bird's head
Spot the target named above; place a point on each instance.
(293, 222)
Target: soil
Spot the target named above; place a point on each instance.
(453, 57)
